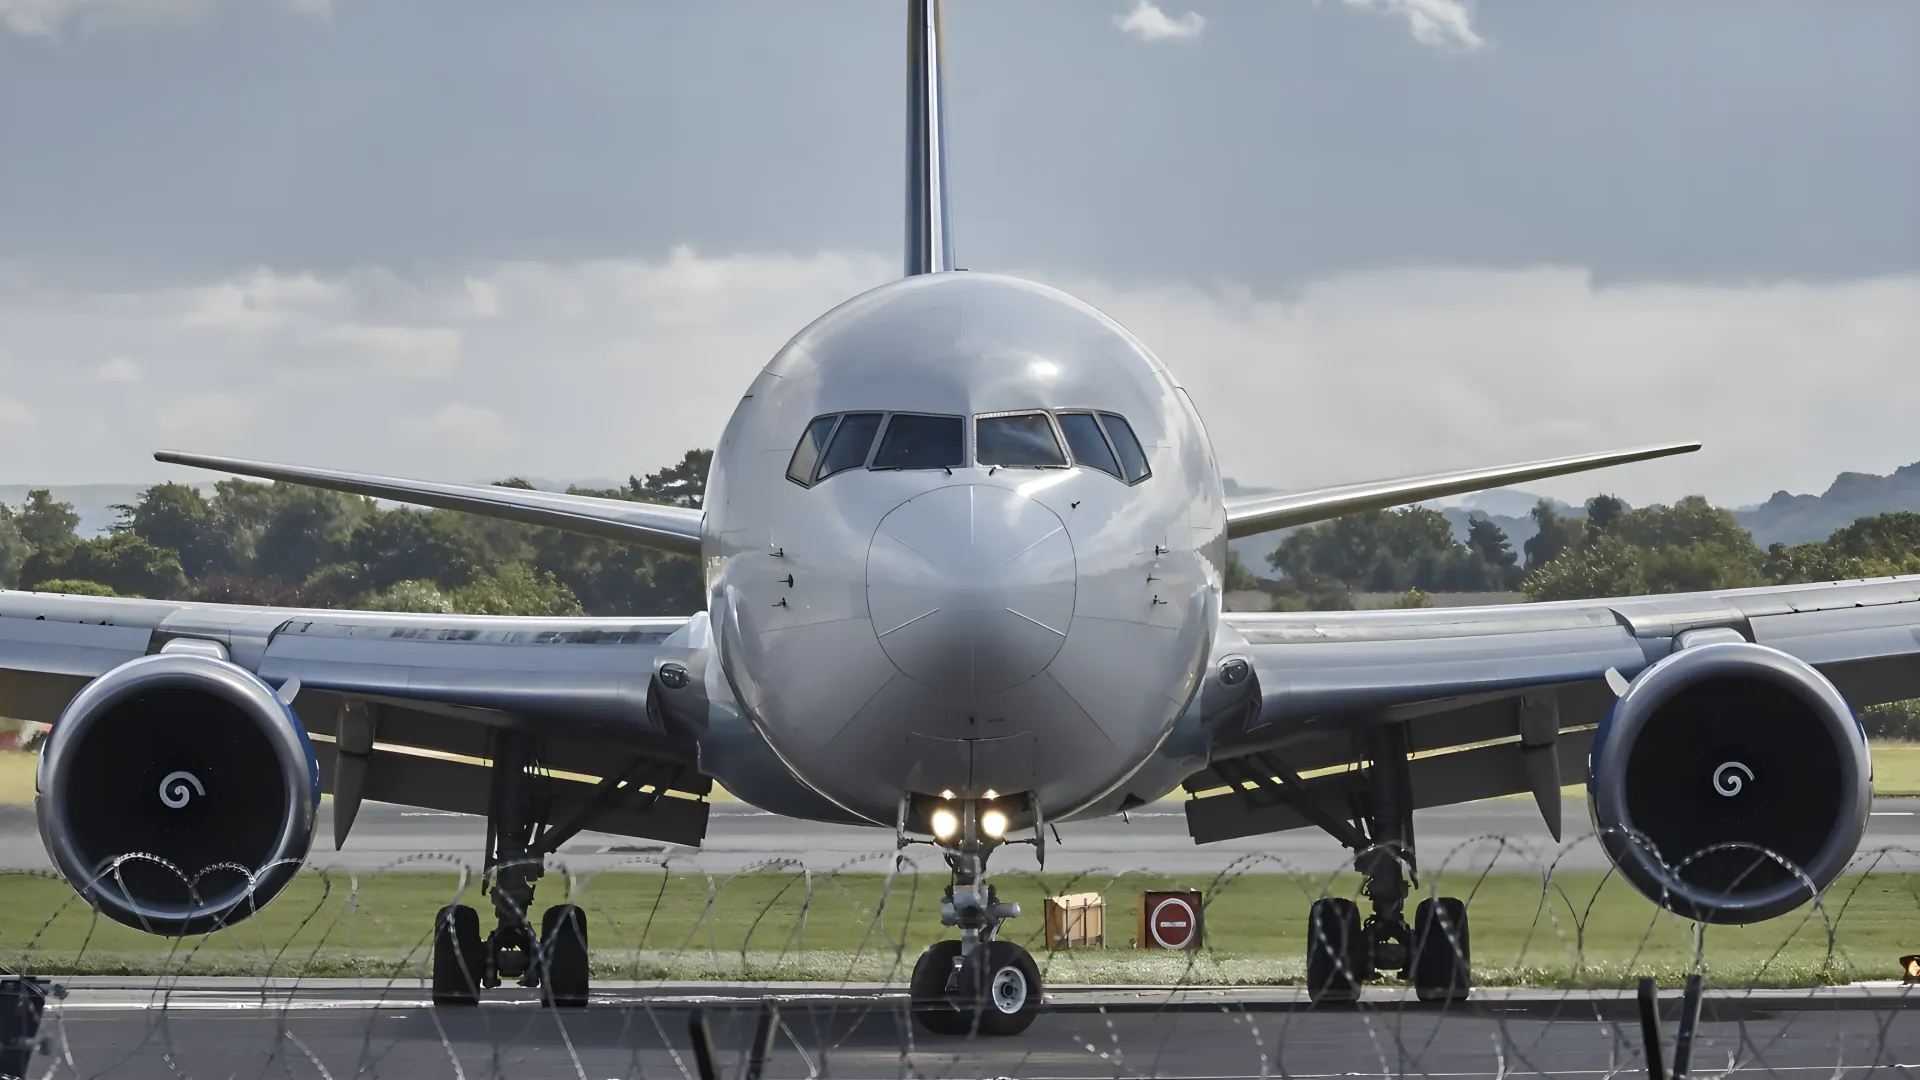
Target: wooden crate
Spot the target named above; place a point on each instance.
(1076, 921)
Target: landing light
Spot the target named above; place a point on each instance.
(994, 824)
(944, 823)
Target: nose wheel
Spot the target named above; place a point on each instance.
(978, 983)
(994, 990)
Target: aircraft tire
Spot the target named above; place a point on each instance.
(563, 957)
(1007, 988)
(1337, 952)
(459, 959)
(933, 1007)
(1442, 952)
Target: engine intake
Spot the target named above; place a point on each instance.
(1730, 782)
(177, 793)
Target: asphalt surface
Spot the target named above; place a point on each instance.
(333, 1030)
(1506, 833)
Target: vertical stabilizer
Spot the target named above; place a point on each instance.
(929, 244)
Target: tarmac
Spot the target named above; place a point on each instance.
(1506, 834)
(326, 1029)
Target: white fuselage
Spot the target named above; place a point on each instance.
(966, 628)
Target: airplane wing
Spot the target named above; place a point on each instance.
(424, 695)
(1502, 700)
(668, 528)
(1249, 515)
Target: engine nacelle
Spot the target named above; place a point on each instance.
(1729, 782)
(177, 793)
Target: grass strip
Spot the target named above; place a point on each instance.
(1583, 929)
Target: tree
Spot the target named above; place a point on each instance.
(681, 484)
(14, 548)
(1238, 577)
(44, 523)
(1691, 545)
(121, 561)
(1603, 511)
(177, 516)
(75, 588)
(1610, 567)
(305, 529)
(392, 546)
(1489, 544)
(1553, 534)
(417, 596)
(515, 589)
(1892, 536)
(232, 589)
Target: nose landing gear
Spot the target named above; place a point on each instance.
(978, 983)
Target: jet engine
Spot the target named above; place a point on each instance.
(1730, 782)
(177, 793)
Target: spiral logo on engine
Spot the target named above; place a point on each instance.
(1724, 780)
(173, 788)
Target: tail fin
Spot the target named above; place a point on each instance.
(929, 243)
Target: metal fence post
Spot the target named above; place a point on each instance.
(22, 1000)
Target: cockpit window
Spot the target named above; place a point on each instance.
(851, 441)
(1018, 440)
(1089, 446)
(916, 441)
(807, 454)
(1133, 460)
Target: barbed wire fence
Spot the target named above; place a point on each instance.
(789, 969)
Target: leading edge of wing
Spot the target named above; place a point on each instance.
(668, 528)
(1252, 514)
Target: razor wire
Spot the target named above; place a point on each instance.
(789, 969)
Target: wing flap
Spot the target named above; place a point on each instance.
(667, 528)
(1253, 514)
(463, 787)
(1483, 772)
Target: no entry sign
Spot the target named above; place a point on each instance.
(1170, 920)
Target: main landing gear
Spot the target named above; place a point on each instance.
(977, 983)
(1343, 950)
(553, 956)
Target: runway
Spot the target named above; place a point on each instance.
(1152, 839)
(337, 1030)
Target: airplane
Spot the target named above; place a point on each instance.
(963, 544)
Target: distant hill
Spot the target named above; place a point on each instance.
(1797, 519)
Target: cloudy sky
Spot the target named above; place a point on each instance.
(460, 239)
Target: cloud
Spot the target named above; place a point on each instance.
(582, 369)
(1442, 24)
(1388, 373)
(601, 368)
(118, 371)
(1148, 23)
(48, 18)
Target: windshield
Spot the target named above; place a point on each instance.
(915, 441)
(1020, 440)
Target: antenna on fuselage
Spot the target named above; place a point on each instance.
(929, 242)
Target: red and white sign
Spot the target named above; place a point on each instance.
(1173, 923)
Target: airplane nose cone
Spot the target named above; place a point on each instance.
(971, 588)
